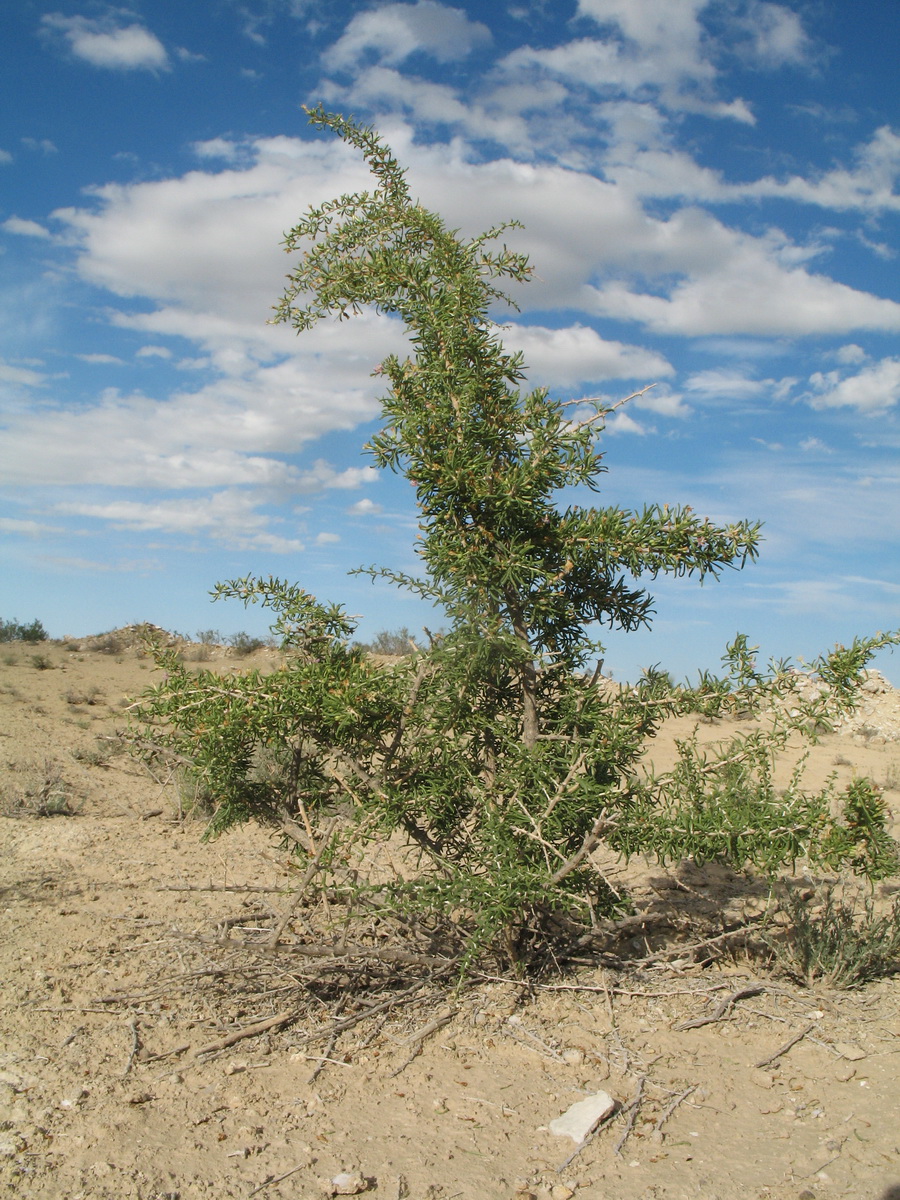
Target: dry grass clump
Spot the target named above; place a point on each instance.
(47, 793)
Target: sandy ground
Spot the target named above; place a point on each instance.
(109, 1008)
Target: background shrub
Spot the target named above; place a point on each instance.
(15, 631)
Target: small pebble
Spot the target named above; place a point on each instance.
(346, 1183)
(762, 1078)
(849, 1051)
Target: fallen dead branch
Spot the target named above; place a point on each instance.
(135, 1046)
(276, 1022)
(681, 949)
(348, 951)
(276, 1179)
(513, 1029)
(672, 1105)
(798, 1037)
(631, 1110)
(221, 887)
(418, 1039)
(410, 996)
(722, 1009)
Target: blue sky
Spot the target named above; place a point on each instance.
(709, 195)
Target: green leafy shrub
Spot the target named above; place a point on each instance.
(488, 765)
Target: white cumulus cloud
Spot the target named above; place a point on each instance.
(365, 508)
(230, 516)
(393, 32)
(25, 228)
(107, 42)
(873, 389)
(578, 354)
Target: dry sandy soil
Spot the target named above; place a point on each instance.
(114, 1080)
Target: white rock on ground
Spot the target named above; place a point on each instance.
(582, 1117)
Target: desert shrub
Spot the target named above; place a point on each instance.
(42, 662)
(242, 644)
(92, 756)
(209, 637)
(15, 631)
(836, 941)
(91, 696)
(393, 642)
(490, 759)
(109, 643)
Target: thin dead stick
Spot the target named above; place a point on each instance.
(243, 918)
(332, 1042)
(220, 887)
(135, 1046)
(168, 1053)
(680, 950)
(100, 1012)
(319, 1058)
(534, 1043)
(417, 1041)
(276, 1179)
(798, 1037)
(673, 1104)
(632, 1111)
(311, 869)
(586, 1141)
(379, 953)
(247, 1032)
(755, 989)
(323, 1059)
(408, 997)
(591, 987)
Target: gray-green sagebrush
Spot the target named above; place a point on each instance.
(489, 753)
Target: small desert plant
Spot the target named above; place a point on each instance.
(48, 795)
(42, 662)
(94, 756)
(834, 941)
(92, 695)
